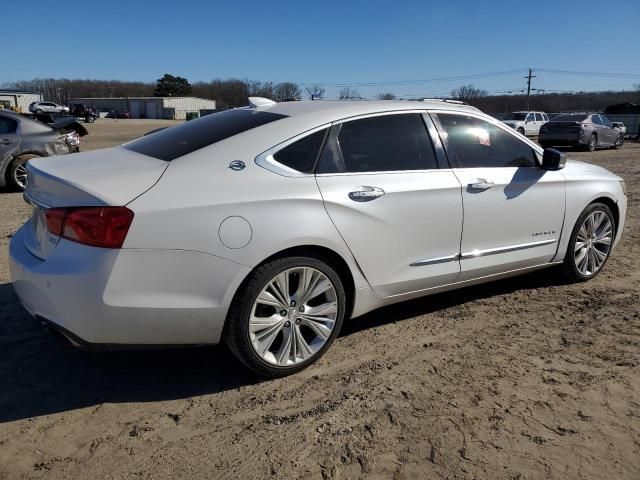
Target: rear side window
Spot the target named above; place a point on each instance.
(174, 142)
(302, 155)
(478, 143)
(8, 125)
(379, 144)
(538, 117)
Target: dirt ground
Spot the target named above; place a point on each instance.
(520, 379)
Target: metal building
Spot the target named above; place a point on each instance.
(172, 108)
(18, 99)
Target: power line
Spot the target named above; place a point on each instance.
(473, 76)
(426, 80)
(590, 74)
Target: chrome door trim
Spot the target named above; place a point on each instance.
(435, 260)
(509, 248)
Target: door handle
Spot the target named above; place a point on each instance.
(480, 184)
(6, 141)
(366, 194)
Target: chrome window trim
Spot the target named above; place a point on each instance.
(267, 160)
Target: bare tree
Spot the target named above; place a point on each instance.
(386, 96)
(286, 91)
(348, 93)
(315, 92)
(468, 93)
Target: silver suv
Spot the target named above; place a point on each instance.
(47, 107)
(526, 123)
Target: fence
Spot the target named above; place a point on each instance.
(631, 121)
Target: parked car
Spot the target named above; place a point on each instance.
(267, 227)
(23, 139)
(586, 130)
(39, 108)
(526, 123)
(118, 114)
(80, 110)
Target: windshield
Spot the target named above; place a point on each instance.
(570, 118)
(171, 143)
(515, 116)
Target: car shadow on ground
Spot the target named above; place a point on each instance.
(41, 374)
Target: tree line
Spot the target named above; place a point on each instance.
(233, 92)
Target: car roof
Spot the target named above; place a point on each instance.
(304, 115)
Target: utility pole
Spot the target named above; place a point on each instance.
(529, 77)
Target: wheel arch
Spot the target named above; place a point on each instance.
(333, 258)
(613, 206)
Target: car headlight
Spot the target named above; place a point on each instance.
(623, 186)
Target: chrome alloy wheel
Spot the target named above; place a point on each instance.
(20, 175)
(293, 316)
(593, 243)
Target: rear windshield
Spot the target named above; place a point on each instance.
(570, 118)
(174, 142)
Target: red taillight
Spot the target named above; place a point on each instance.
(55, 219)
(104, 227)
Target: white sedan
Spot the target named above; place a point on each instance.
(266, 227)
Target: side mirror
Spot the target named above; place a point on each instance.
(553, 159)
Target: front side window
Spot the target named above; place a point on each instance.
(302, 154)
(478, 143)
(596, 119)
(8, 125)
(379, 144)
(606, 121)
(530, 118)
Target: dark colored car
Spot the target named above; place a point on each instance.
(22, 139)
(80, 110)
(586, 130)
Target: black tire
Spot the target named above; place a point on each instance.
(14, 173)
(592, 143)
(569, 268)
(619, 142)
(520, 131)
(39, 111)
(236, 334)
(545, 145)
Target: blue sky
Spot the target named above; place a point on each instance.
(330, 42)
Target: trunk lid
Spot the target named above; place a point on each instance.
(563, 126)
(108, 177)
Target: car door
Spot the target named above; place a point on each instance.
(600, 130)
(9, 137)
(609, 131)
(539, 122)
(398, 212)
(513, 210)
(530, 124)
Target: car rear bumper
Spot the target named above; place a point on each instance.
(128, 296)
